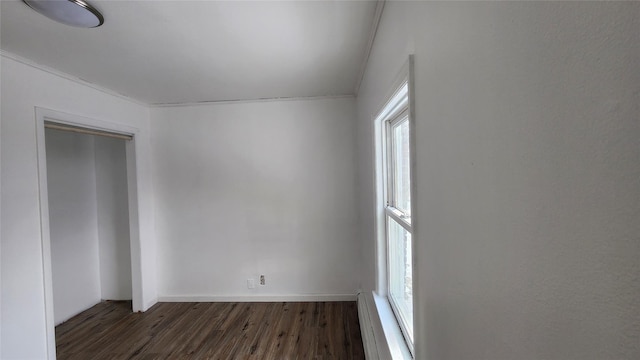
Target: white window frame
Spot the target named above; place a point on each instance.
(394, 213)
(390, 124)
(398, 106)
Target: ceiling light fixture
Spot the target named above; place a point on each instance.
(76, 13)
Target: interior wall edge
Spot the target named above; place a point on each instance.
(58, 73)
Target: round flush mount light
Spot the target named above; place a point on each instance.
(76, 13)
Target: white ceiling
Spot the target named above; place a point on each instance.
(162, 52)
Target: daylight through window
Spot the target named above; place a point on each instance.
(397, 209)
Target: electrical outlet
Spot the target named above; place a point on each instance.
(261, 279)
(251, 284)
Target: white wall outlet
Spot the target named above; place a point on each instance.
(262, 280)
(251, 284)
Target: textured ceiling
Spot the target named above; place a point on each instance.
(162, 52)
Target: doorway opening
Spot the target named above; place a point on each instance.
(89, 219)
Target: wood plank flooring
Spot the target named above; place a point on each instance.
(308, 330)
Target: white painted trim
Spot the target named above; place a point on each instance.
(367, 330)
(388, 335)
(66, 76)
(8, 55)
(380, 173)
(149, 304)
(42, 115)
(415, 237)
(45, 239)
(250, 101)
(381, 302)
(132, 150)
(85, 122)
(257, 298)
(372, 36)
(0, 215)
(395, 215)
(385, 338)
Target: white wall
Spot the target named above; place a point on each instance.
(23, 88)
(73, 219)
(1, 278)
(113, 218)
(528, 165)
(245, 189)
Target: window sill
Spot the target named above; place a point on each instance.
(391, 331)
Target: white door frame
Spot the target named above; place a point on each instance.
(43, 115)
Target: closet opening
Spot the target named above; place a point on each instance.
(89, 219)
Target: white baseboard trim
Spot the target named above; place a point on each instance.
(149, 304)
(257, 298)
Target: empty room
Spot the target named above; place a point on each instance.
(431, 180)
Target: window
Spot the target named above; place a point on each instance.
(395, 207)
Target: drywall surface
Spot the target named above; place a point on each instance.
(528, 160)
(113, 218)
(0, 206)
(73, 223)
(23, 88)
(256, 188)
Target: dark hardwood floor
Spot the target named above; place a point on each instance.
(308, 330)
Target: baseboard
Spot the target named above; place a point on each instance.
(150, 303)
(257, 298)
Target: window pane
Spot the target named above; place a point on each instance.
(402, 182)
(400, 274)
